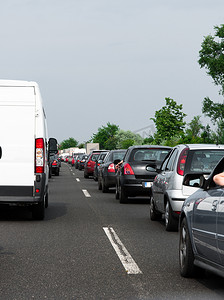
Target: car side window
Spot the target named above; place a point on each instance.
(171, 159)
(163, 166)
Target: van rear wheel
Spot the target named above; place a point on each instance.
(38, 211)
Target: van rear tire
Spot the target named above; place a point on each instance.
(38, 211)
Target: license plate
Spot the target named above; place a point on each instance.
(147, 184)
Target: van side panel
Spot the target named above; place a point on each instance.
(17, 137)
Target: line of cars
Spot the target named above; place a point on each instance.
(179, 184)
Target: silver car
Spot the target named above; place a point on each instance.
(168, 191)
(202, 226)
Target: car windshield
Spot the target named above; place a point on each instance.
(145, 154)
(203, 160)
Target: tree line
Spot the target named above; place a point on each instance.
(171, 129)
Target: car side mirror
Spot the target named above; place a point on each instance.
(53, 145)
(194, 180)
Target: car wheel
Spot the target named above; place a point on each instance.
(104, 187)
(46, 200)
(99, 184)
(170, 222)
(123, 196)
(94, 177)
(85, 175)
(57, 172)
(186, 255)
(153, 213)
(38, 211)
(117, 192)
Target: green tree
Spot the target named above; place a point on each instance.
(127, 138)
(193, 132)
(169, 122)
(69, 143)
(211, 56)
(106, 136)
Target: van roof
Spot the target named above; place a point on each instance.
(5, 82)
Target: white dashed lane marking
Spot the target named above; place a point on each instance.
(85, 192)
(127, 261)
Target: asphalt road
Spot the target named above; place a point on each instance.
(70, 255)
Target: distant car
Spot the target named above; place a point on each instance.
(137, 172)
(107, 170)
(99, 162)
(82, 161)
(78, 158)
(201, 241)
(54, 164)
(168, 192)
(90, 163)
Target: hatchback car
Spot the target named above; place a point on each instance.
(168, 192)
(107, 170)
(137, 172)
(54, 164)
(82, 161)
(90, 163)
(99, 161)
(78, 158)
(201, 241)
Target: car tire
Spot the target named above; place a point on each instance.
(104, 187)
(38, 211)
(186, 255)
(117, 192)
(153, 213)
(57, 172)
(170, 222)
(123, 196)
(46, 200)
(86, 176)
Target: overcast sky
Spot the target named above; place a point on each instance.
(99, 61)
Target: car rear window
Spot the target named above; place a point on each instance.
(95, 156)
(118, 155)
(145, 154)
(203, 160)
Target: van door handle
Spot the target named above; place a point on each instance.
(0, 152)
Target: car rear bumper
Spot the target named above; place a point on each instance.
(137, 187)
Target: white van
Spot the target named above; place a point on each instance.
(23, 147)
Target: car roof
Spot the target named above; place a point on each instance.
(149, 146)
(201, 146)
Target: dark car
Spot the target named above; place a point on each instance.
(168, 192)
(78, 158)
(82, 161)
(107, 170)
(90, 163)
(99, 161)
(201, 241)
(54, 164)
(138, 170)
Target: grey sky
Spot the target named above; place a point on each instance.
(100, 61)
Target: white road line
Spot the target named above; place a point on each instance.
(128, 262)
(85, 192)
(77, 179)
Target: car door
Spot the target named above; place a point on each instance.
(220, 226)
(161, 181)
(204, 220)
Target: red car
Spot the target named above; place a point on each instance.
(90, 163)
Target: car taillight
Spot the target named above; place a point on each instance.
(128, 170)
(111, 168)
(182, 161)
(88, 163)
(39, 161)
(54, 163)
